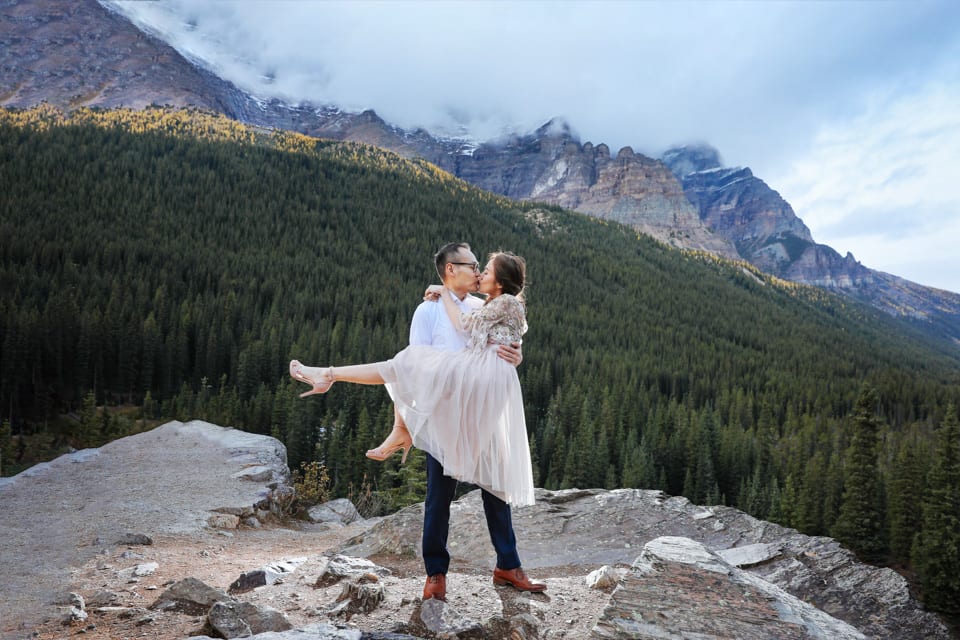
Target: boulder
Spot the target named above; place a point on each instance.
(441, 618)
(595, 527)
(337, 512)
(678, 588)
(342, 566)
(319, 631)
(190, 596)
(241, 619)
(165, 481)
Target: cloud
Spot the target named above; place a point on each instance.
(838, 105)
(884, 184)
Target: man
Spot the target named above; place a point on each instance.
(459, 270)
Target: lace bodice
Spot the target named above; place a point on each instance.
(501, 321)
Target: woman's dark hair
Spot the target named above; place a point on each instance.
(510, 270)
(447, 254)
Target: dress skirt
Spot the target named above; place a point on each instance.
(465, 408)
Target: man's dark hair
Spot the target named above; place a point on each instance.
(447, 254)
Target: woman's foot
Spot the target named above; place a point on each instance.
(318, 378)
(399, 438)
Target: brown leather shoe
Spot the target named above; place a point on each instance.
(517, 579)
(436, 587)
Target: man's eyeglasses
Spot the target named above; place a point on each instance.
(473, 265)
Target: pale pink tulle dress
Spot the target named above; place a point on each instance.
(465, 408)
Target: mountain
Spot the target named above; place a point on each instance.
(550, 165)
(737, 205)
(74, 54)
(79, 53)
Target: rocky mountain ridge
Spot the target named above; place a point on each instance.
(74, 54)
(737, 205)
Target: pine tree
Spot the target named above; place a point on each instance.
(639, 470)
(6, 447)
(788, 503)
(936, 552)
(89, 425)
(810, 499)
(860, 522)
(906, 497)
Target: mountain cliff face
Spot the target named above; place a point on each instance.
(735, 204)
(551, 165)
(78, 53)
(75, 54)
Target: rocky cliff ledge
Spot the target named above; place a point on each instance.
(624, 563)
(178, 479)
(597, 527)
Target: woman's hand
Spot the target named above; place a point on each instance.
(433, 292)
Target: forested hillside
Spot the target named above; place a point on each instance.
(161, 264)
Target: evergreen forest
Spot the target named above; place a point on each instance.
(162, 264)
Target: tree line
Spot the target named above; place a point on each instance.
(162, 264)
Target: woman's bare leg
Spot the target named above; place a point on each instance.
(320, 378)
(356, 373)
(398, 439)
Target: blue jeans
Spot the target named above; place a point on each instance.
(436, 523)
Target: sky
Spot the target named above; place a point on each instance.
(850, 110)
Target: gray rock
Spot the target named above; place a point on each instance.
(603, 578)
(103, 598)
(69, 615)
(139, 571)
(190, 596)
(239, 619)
(524, 626)
(319, 631)
(362, 594)
(223, 521)
(258, 473)
(266, 575)
(751, 554)
(339, 511)
(135, 538)
(248, 581)
(678, 588)
(341, 566)
(441, 618)
(400, 533)
(74, 609)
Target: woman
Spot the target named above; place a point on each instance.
(464, 408)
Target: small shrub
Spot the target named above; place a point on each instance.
(312, 484)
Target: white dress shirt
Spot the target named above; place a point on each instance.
(432, 326)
